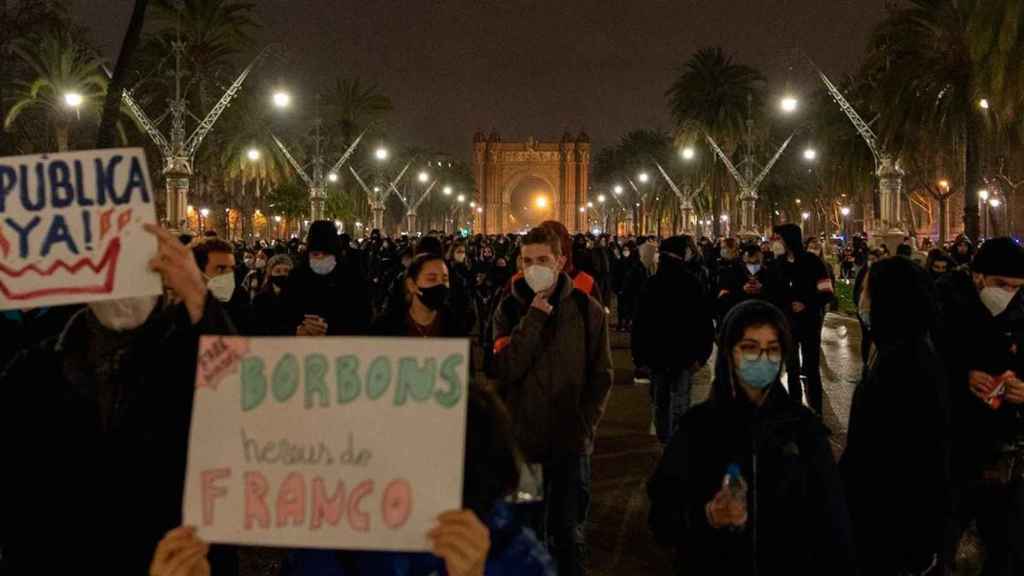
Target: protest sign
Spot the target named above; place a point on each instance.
(348, 443)
(71, 228)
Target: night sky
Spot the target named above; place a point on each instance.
(535, 68)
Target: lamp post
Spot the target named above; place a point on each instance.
(994, 203)
(845, 211)
(983, 196)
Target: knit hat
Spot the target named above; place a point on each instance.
(322, 237)
(999, 257)
(675, 245)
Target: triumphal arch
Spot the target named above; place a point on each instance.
(520, 184)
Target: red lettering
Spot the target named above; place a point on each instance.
(324, 507)
(211, 492)
(357, 519)
(396, 504)
(256, 500)
(291, 500)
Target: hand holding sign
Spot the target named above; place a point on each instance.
(462, 541)
(180, 553)
(177, 266)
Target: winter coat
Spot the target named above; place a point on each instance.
(514, 551)
(269, 315)
(732, 279)
(341, 298)
(896, 464)
(797, 519)
(396, 323)
(103, 465)
(554, 371)
(673, 328)
(971, 339)
(634, 278)
(22, 330)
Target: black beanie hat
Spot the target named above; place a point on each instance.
(322, 237)
(674, 245)
(999, 257)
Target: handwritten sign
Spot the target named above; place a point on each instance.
(71, 228)
(348, 443)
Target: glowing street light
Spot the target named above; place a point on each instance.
(479, 210)
(447, 190)
(845, 211)
(995, 202)
(541, 202)
(253, 154)
(643, 177)
(472, 204)
(688, 153)
(601, 198)
(423, 177)
(282, 99)
(797, 201)
(617, 190)
(944, 184)
(789, 104)
(461, 198)
(73, 99)
(583, 209)
(590, 204)
(724, 218)
(277, 219)
(381, 153)
(205, 212)
(983, 194)
(983, 103)
(332, 177)
(806, 216)
(810, 154)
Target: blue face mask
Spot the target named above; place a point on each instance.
(759, 373)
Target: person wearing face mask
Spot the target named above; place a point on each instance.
(426, 311)
(634, 276)
(216, 259)
(981, 341)
(899, 424)
(269, 312)
(99, 406)
(780, 449)
(749, 279)
(673, 334)
(554, 371)
(805, 290)
(326, 296)
(254, 280)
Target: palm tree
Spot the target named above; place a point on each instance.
(57, 65)
(636, 153)
(356, 107)
(932, 76)
(713, 94)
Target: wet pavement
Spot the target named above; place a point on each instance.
(626, 452)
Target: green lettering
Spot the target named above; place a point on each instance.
(415, 381)
(286, 378)
(346, 372)
(450, 374)
(254, 383)
(316, 383)
(378, 377)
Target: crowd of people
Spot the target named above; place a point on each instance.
(99, 398)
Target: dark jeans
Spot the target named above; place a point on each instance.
(566, 508)
(806, 358)
(670, 397)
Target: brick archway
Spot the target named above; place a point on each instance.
(499, 167)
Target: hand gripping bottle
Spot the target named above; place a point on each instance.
(736, 486)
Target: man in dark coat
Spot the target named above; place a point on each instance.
(748, 279)
(98, 470)
(981, 341)
(327, 295)
(805, 291)
(673, 334)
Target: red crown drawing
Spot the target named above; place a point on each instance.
(64, 278)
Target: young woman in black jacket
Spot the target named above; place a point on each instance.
(793, 517)
(427, 311)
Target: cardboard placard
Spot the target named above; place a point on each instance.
(71, 228)
(346, 443)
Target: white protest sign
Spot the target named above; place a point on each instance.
(71, 228)
(353, 443)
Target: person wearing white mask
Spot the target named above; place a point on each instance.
(981, 341)
(106, 406)
(749, 279)
(554, 371)
(216, 260)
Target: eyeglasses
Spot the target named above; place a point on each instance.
(752, 351)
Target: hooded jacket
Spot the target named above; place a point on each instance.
(673, 327)
(556, 387)
(340, 297)
(794, 493)
(806, 279)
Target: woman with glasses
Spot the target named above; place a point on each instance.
(748, 484)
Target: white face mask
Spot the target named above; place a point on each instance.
(222, 286)
(323, 266)
(996, 299)
(753, 268)
(539, 278)
(778, 248)
(625, 253)
(124, 314)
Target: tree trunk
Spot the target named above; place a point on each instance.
(112, 101)
(716, 200)
(972, 172)
(943, 218)
(62, 132)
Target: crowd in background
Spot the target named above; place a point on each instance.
(747, 483)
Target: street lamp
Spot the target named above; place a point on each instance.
(461, 198)
(472, 204)
(789, 104)
(601, 198)
(983, 194)
(617, 190)
(479, 210)
(944, 184)
(253, 154)
(73, 99)
(423, 177)
(810, 154)
(282, 99)
(381, 153)
(583, 209)
(590, 204)
(805, 216)
(643, 177)
(688, 153)
(333, 177)
(447, 190)
(995, 202)
(983, 103)
(845, 211)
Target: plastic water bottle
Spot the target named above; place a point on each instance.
(736, 487)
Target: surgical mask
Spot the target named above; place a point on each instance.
(760, 373)
(433, 297)
(539, 278)
(323, 266)
(222, 286)
(996, 299)
(625, 253)
(124, 314)
(753, 268)
(778, 248)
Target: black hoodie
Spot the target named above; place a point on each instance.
(805, 279)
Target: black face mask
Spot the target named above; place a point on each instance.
(434, 297)
(279, 281)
